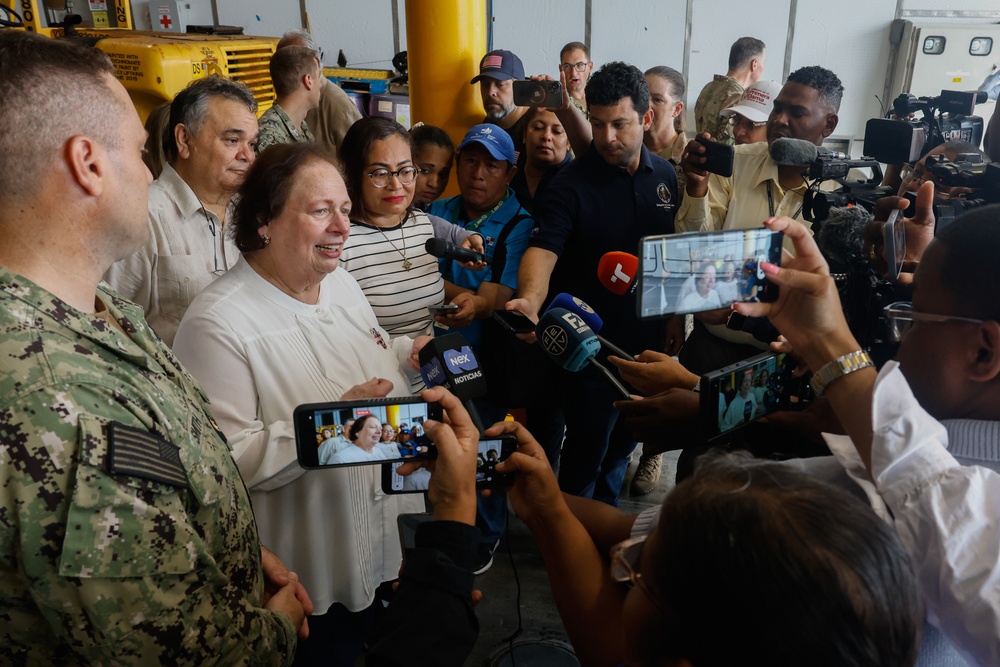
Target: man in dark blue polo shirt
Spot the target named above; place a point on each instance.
(611, 196)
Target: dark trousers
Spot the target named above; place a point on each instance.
(336, 638)
(595, 453)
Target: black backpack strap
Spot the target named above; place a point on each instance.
(500, 253)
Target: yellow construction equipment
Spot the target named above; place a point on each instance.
(155, 66)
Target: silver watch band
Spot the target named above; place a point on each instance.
(838, 368)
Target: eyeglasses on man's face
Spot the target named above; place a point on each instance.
(900, 316)
(747, 124)
(569, 67)
(381, 177)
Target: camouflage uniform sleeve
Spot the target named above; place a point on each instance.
(718, 95)
(100, 566)
(270, 131)
(724, 130)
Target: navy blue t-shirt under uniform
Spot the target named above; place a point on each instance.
(591, 208)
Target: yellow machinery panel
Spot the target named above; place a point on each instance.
(154, 67)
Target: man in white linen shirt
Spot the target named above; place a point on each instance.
(942, 392)
(209, 147)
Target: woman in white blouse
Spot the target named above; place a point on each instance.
(281, 328)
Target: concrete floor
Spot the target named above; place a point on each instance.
(518, 560)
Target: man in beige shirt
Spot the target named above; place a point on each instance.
(210, 147)
(806, 108)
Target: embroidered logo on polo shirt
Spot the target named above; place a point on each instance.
(490, 241)
(663, 192)
(378, 338)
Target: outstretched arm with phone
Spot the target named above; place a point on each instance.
(437, 582)
(587, 598)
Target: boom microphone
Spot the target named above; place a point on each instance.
(568, 340)
(590, 316)
(444, 250)
(618, 271)
(449, 361)
(793, 152)
(823, 164)
(840, 237)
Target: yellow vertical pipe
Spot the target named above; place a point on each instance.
(392, 415)
(445, 40)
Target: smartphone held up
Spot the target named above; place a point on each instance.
(695, 272)
(348, 433)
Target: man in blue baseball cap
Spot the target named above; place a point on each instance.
(484, 168)
(497, 71)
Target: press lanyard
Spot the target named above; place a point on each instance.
(478, 222)
(770, 203)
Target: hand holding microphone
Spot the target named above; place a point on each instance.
(449, 361)
(568, 340)
(444, 250)
(590, 316)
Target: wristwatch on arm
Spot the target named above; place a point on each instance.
(838, 368)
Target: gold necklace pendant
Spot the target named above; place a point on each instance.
(407, 264)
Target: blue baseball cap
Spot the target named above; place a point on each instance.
(500, 65)
(494, 138)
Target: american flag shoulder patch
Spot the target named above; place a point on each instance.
(139, 453)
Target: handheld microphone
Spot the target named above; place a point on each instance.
(444, 250)
(590, 316)
(568, 340)
(618, 272)
(449, 361)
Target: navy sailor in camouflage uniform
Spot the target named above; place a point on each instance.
(126, 533)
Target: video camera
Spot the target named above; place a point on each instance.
(948, 117)
(968, 170)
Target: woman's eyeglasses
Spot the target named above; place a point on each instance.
(625, 566)
(381, 177)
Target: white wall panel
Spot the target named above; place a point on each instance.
(714, 30)
(269, 18)
(853, 42)
(537, 29)
(641, 32)
(363, 30)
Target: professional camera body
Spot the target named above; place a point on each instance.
(948, 117)
(817, 203)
